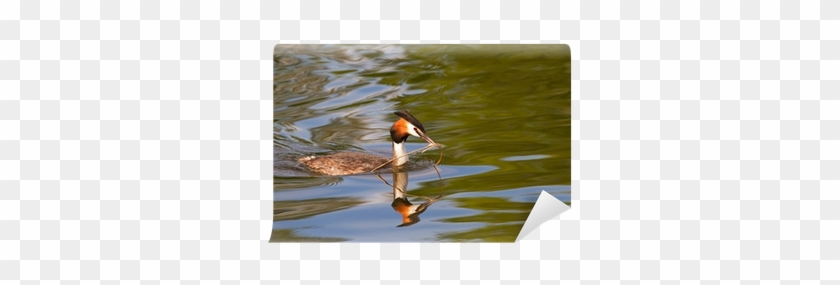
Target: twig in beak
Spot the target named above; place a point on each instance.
(427, 147)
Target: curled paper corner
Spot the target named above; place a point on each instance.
(546, 208)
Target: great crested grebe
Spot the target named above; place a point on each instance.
(346, 163)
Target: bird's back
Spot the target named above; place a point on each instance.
(343, 163)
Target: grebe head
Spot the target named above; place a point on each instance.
(408, 125)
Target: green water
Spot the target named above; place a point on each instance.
(502, 113)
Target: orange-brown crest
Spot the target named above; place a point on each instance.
(399, 131)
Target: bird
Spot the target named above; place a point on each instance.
(347, 163)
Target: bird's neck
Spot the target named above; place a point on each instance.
(399, 154)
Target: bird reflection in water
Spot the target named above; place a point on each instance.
(401, 204)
